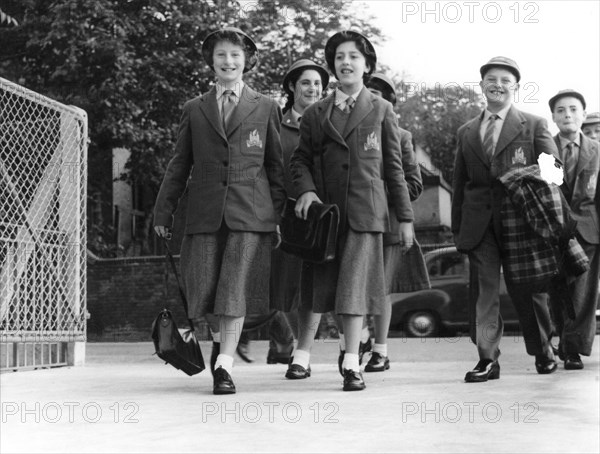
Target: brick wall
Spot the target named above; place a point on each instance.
(124, 296)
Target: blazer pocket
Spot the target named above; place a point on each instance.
(368, 142)
(253, 136)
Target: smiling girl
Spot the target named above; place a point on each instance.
(349, 151)
(228, 155)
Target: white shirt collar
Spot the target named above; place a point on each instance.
(501, 115)
(340, 96)
(237, 90)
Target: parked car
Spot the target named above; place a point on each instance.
(444, 307)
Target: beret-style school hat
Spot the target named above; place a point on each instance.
(592, 119)
(503, 62)
(563, 94)
(301, 65)
(348, 35)
(386, 81)
(207, 47)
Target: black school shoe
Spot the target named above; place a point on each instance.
(485, 370)
(545, 365)
(573, 361)
(296, 371)
(222, 382)
(353, 381)
(377, 363)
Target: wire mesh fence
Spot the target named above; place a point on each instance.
(43, 156)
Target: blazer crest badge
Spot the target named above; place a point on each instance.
(519, 157)
(372, 143)
(254, 140)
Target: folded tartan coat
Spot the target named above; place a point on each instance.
(537, 230)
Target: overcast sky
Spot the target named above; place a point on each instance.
(555, 43)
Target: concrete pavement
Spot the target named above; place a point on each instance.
(126, 400)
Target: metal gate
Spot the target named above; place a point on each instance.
(43, 158)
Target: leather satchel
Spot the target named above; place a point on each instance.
(314, 239)
(177, 347)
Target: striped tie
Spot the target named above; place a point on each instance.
(227, 107)
(570, 164)
(349, 105)
(488, 137)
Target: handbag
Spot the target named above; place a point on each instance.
(177, 347)
(314, 239)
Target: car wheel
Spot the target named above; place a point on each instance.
(421, 324)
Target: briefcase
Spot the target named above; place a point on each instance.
(314, 239)
(177, 347)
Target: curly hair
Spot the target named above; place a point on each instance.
(293, 79)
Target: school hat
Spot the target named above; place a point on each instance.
(385, 80)
(301, 65)
(563, 94)
(502, 62)
(340, 37)
(592, 119)
(207, 47)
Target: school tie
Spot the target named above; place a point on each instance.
(227, 107)
(488, 136)
(349, 105)
(570, 164)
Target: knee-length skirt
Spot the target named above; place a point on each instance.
(353, 283)
(226, 272)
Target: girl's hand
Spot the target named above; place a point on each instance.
(407, 235)
(277, 238)
(163, 231)
(304, 202)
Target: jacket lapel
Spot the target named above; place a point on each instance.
(248, 102)
(362, 108)
(473, 139)
(325, 108)
(585, 155)
(513, 124)
(209, 108)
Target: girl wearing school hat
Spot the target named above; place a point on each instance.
(405, 271)
(228, 156)
(346, 140)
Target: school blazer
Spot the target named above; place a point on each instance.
(290, 133)
(584, 197)
(477, 192)
(354, 168)
(234, 175)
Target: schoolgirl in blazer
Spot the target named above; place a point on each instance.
(228, 155)
(349, 152)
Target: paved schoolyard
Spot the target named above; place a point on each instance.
(126, 400)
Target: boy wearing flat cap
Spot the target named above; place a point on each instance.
(581, 162)
(591, 126)
(502, 138)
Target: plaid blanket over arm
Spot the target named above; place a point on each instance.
(532, 223)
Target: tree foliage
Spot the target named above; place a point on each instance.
(433, 116)
(131, 64)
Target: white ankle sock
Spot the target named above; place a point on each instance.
(224, 361)
(351, 362)
(342, 342)
(380, 348)
(302, 358)
(365, 335)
